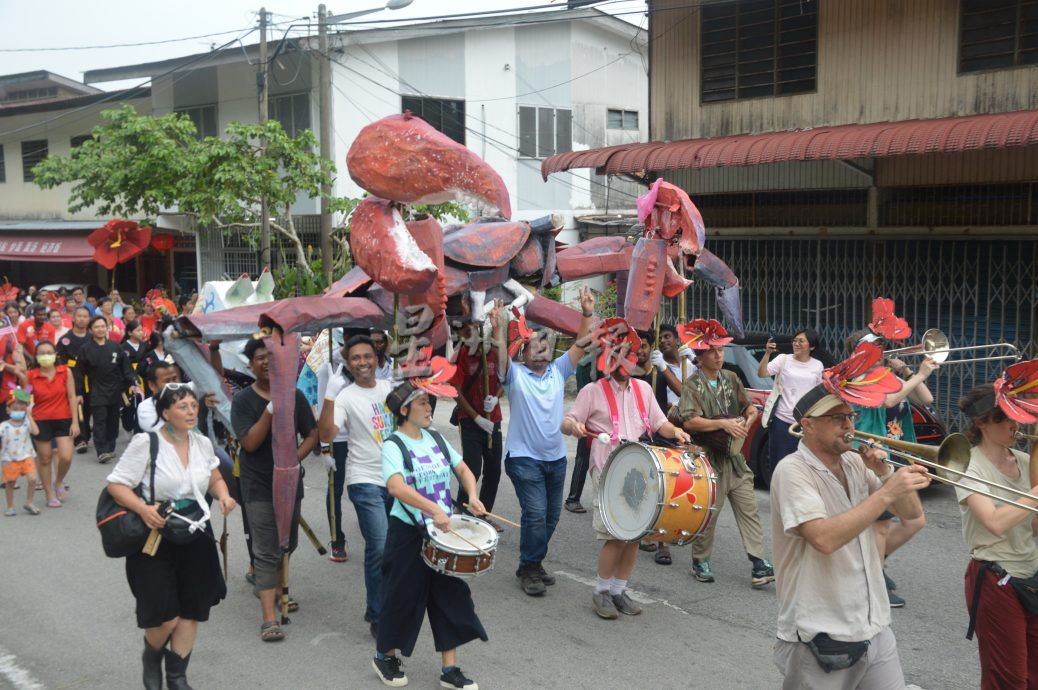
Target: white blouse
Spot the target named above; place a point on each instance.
(173, 481)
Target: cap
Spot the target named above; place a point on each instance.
(402, 395)
(21, 395)
(815, 402)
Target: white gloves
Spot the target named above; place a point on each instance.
(270, 408)
(489, 403)
(656, 359)
(685, 351)
(336, 382)
(485, 424)
(329, 461)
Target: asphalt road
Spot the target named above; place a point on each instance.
(67, 613)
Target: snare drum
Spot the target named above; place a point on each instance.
(656, 493)
(446, 553)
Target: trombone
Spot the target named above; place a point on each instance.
(951, 458)
(935, 345)
(1021, 436)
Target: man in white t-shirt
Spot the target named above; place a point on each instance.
(360, 408)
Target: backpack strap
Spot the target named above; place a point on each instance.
(409, 467)
(153, 449)
(975, 602)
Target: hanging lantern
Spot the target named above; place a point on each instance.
(163, 241)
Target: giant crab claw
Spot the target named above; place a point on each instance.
(645, 282)
(384, 248)
(401, 157)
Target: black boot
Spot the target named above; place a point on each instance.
(176, 670)
(152, 659)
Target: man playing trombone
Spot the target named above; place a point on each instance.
(832, 600)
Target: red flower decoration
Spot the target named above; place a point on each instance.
(886, 323)
(518, 333)
(611, 336)
(703, 334)
(1018, 378)
(118, 242)
(430, 374)
(8, 292)
(857, 381)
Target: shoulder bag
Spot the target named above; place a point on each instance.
(123, 532)
(773, 398)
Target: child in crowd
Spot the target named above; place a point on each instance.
(16, 451)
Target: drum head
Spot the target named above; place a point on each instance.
(476, 531)
(629, 491)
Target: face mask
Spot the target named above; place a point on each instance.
(17, 415)
(46, 360)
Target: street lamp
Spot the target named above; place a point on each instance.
(325, 114)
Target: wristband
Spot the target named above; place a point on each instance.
(587, 316)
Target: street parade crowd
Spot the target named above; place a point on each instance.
(659, 423)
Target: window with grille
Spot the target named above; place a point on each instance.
(445, 115)
(204, 119)
(544, 132)
(621, 119)
(995, 34)
(3, 168)
(758, 48)
(33, 153)
(293, 112)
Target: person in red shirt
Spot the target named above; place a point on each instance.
(54, 396)
(479, 416)
(31, 332)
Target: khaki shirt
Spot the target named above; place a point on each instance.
(1015, 550)
(842, 594)
(728, 398)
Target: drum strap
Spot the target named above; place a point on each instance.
(614, 411)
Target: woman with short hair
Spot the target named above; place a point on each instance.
(54, 399)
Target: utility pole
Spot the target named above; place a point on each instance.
(261, 82)
(325, 116)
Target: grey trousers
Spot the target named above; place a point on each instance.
(879, 669)
(266, 551)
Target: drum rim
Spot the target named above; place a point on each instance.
(463, 549)
(661, 486)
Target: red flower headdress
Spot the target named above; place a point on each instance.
(1017, 379)
(612, 337)
(429, 374)
(857, 381)
(703, 334)
(885, 323)
(118, 242)
(519, 333)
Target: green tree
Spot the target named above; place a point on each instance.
(140, 165)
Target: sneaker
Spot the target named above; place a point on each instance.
(389, 672)
(546, 578)
(763, 573)
(10, 512)
(456, 679)
(530, 581)
(603, 604)
(250, 577)
(896, 602)
(701, 571)
(339, 554)
(81, 447)
(103, 458)
(624, 605)
(891, 585)
(575, 507)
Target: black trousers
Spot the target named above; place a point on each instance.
(410, 589)
(84, 424)
(106, 427)
(340, 451)
(581, 462)
(482, 461)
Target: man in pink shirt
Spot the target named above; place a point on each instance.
(636, 411)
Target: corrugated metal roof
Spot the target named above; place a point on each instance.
(50, 225)
(843, 142)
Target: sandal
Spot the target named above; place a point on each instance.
(53, 503)
(10, 512)
(663, 557)
(31, 509)
(648, 546)
(271, 631)
(293, 605)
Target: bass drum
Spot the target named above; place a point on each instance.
(655, 493)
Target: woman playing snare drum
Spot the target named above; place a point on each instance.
(420, 487)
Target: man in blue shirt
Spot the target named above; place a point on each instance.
(535, 451)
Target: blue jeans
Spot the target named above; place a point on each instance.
(371, 503)
(539, 486)
(780, 444)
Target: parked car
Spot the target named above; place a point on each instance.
(743, 357)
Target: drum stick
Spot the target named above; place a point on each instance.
(498, 517)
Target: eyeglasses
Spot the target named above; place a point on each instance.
(840, 417)
(802, 341)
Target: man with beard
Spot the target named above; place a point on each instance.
(360, 407)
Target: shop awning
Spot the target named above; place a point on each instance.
(844, 142)
(28, 245)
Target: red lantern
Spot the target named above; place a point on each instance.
(163, 241)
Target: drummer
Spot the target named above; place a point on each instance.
(616, 408)
(420, 486)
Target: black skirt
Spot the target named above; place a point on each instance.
(180, 580)
(410, 589)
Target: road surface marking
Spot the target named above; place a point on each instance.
(640, 597)
(20, 678)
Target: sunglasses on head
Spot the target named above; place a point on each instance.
(171, 387)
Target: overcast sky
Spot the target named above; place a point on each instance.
(72, 23)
